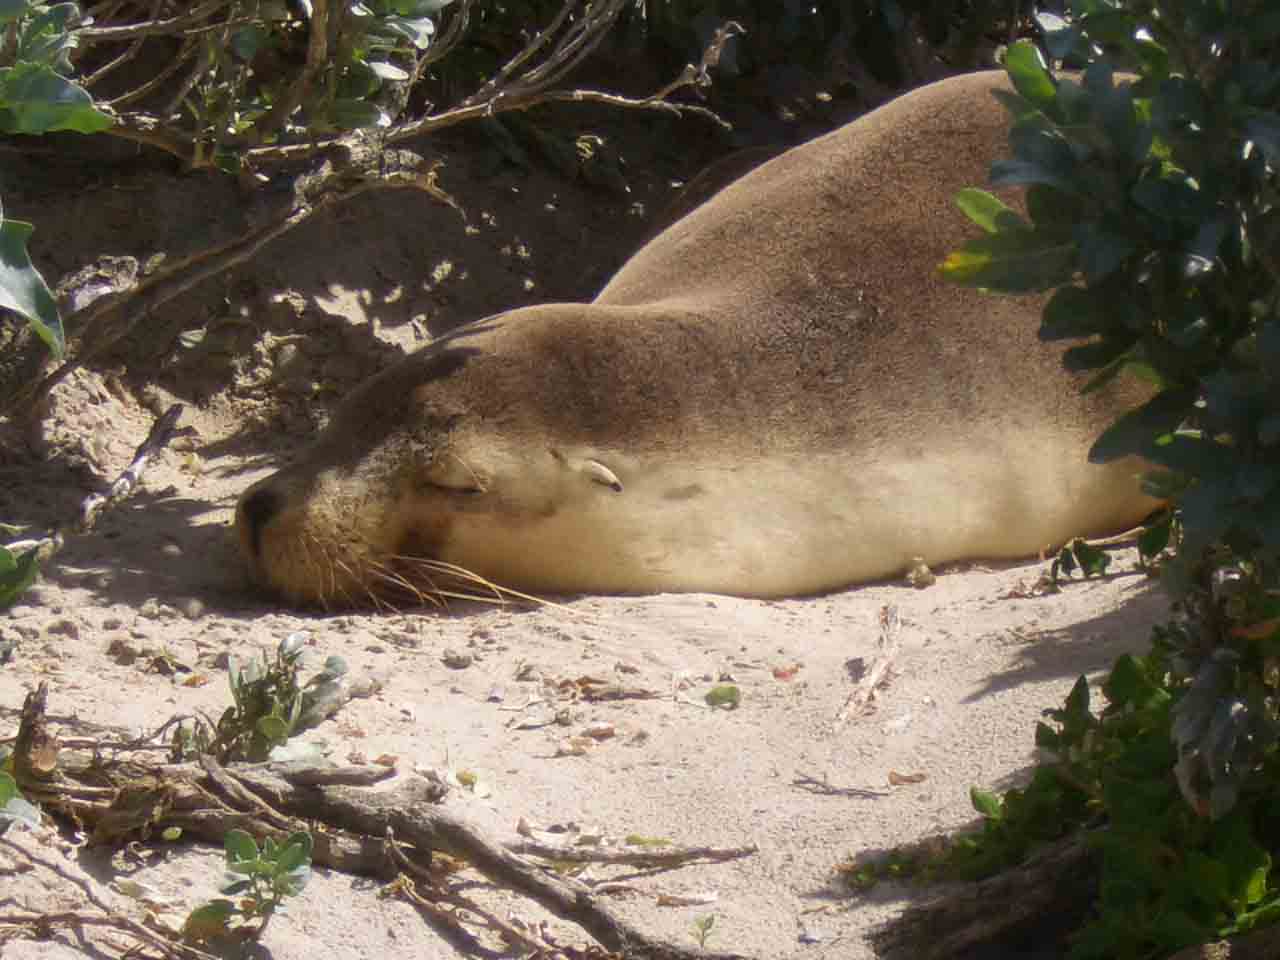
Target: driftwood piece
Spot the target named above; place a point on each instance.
(1056, 882)
(352, 826)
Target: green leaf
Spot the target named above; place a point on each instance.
(296, 853)
(1264, 130)
(209, 921)
(1155, 536)
(986, 803)
(13, 806)
(1137, 430)
(1046, 737)
(387, 71)
(12, 10)
(1050, 207)
(1076, 708)
(1247, 864)
(1093, 561)
(47, 39)
(274, 729)
(347, 114)
(292, 883)
(34, 99)
(417, 30)
(1108, 354)
(1129, 684)
(1030, 75)
(1012, 261)
(16, 575)
(726, 695)
(23, 290)
(1173, 198)
(988, 211)
(1102, 250)
(248, 41)
(1038, 142)
(240, 847)
(1192, 454)
(1065, 562)
(1025, 173)
(1073, 312)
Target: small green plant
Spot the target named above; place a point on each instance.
(702, 929)
(17, 573)
(1079, 555)
(270, 706)
(724, 696)
(257, 883)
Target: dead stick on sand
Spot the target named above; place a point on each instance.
(888, 644)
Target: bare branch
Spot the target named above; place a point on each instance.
(157, 439)
(445, 43)
(495, 84)
(176, 64)
(130, 52)
(144, 128)
(193, 18)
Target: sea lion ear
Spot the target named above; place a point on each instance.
(450, 472)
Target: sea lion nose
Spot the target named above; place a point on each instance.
(256, 509)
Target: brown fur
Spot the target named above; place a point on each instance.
(776, 395)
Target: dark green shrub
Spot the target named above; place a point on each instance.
(1153, 212)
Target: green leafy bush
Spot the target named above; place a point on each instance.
(1153, 213)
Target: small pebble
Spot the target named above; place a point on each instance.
(456, 661)
(64, 627)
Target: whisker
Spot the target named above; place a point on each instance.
(398, 581)
(500, 594)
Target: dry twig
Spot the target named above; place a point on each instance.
(128, 799)
(887, 645)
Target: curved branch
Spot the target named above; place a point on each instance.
(89, 35)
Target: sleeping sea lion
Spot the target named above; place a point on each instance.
(777, 395)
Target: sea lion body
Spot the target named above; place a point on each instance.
(778, 395)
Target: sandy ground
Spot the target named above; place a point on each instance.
(978, 660)
(976, 667)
